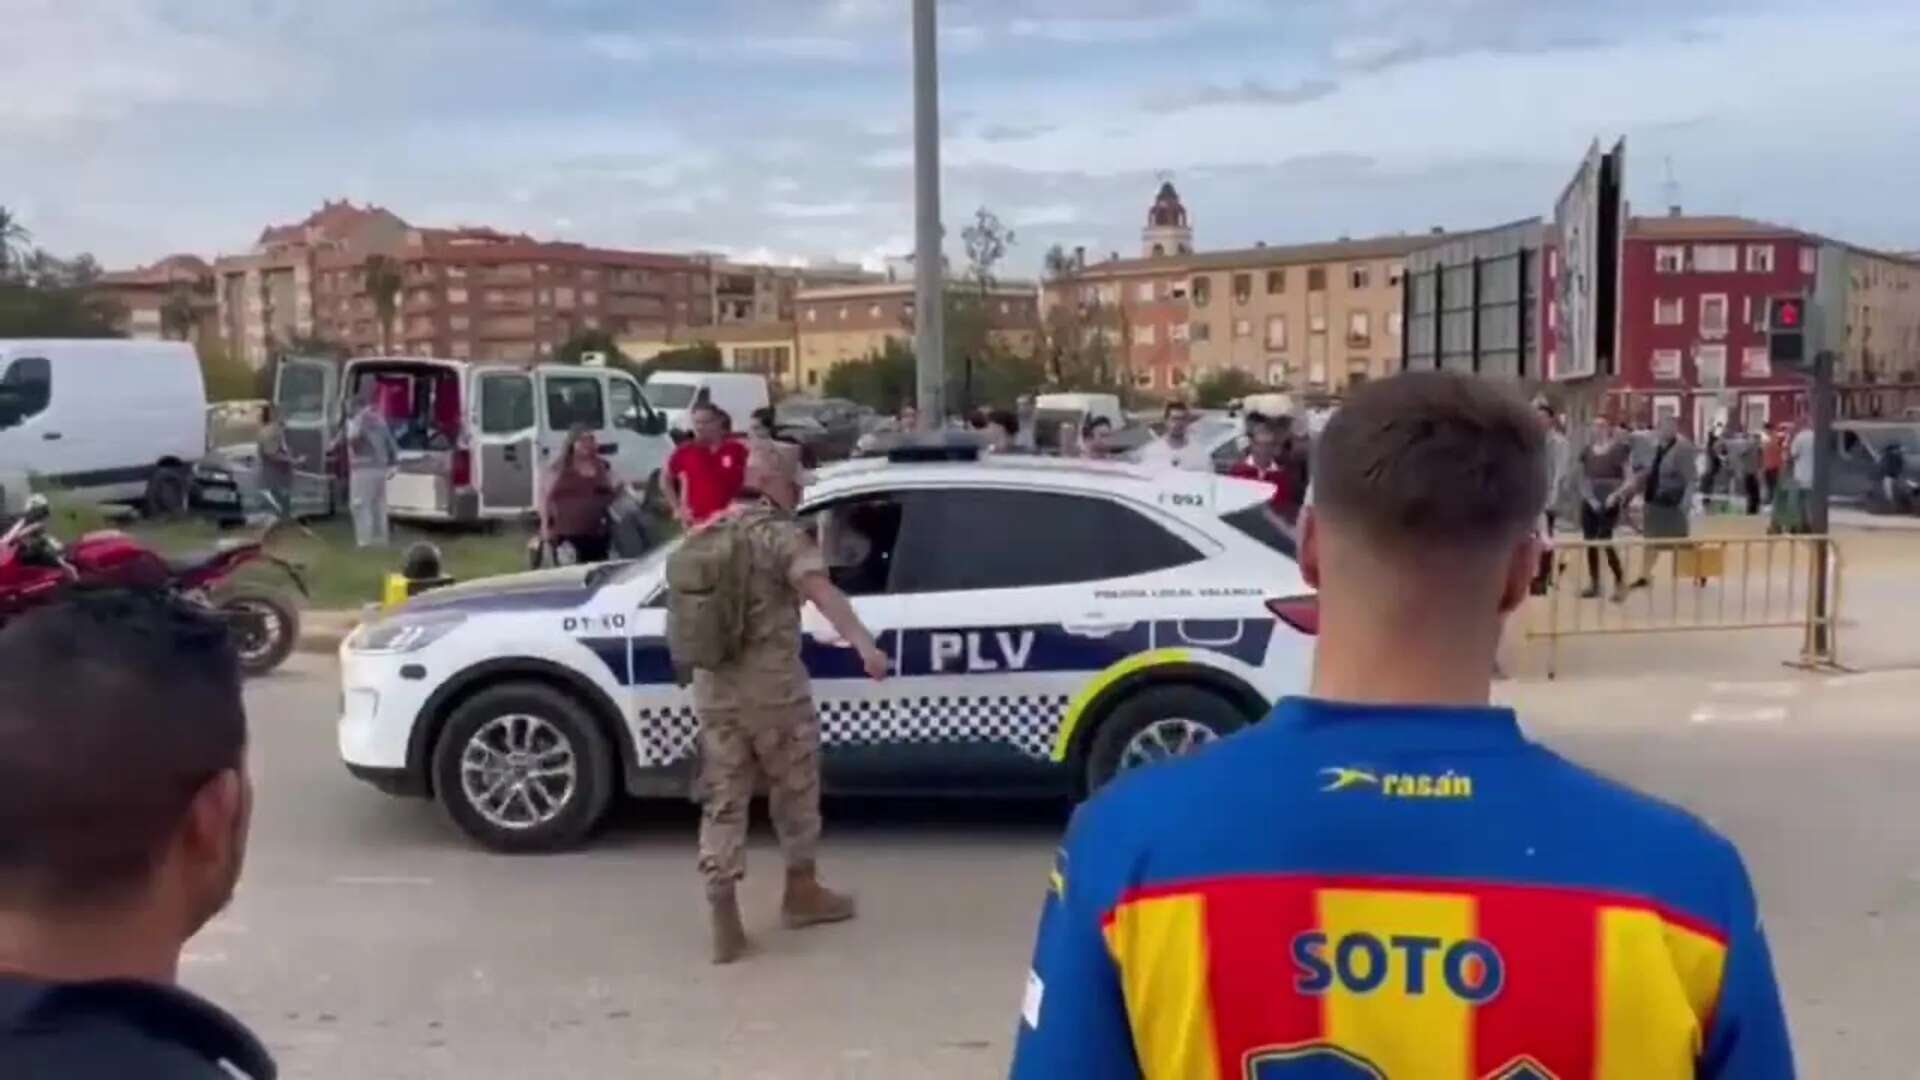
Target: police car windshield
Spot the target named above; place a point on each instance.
(634, 569)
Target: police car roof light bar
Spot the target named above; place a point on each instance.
(937, 446)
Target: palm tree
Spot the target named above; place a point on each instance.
(13, 239)
(177, 314)
(383, 284)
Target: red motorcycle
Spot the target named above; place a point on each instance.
(35, 567)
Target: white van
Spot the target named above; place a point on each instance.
(110, 420)
(476, 440)
(1077, 409)
(738, 392)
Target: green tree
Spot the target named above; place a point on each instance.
(987, 241)
(227, 376)
(178, 316)
(1222, 385)
(383, 285)
(14, 238)
(883, 380)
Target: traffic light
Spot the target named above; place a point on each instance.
(1787, 331)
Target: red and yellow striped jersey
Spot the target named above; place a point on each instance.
(1406, 894)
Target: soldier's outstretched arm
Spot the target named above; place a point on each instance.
(833, 604)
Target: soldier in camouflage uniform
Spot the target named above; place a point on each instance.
(756, 712)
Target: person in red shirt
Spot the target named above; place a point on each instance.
(1263, 463)
(705, 473)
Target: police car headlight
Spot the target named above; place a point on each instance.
(404, 633)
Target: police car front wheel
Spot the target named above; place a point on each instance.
(1156, 724)
(522, 767)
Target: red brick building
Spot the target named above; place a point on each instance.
(1693, 307)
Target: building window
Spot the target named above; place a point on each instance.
(456, 272)
(873, 311)
(1395, 272)
(1277, 332)
(1666, 364)
(1713, 315)
(1809, 259)
(456, 296)
(1143, 378)
(1202, 291)
(1755, 363)
(1177, 290)
(1142, 292)
(1358, 277)
(1317, 323)
(1393, 324)
(1178, 377)
(458, 322)
(813, 378)
(1242, 328)
(1666, 407)
(1242, 288)
(843, 313)
(1276, 282)
(1143, 335)
(1006, 308)
(1759, 258)
(1316, 279)
(1202, 332)
(1277, 373)
(1177, 332)
(1359, 329)
(1716, 258)
(1669, 260)
(1669, 311)
(1710, 364)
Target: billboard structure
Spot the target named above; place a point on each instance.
(1584, 267)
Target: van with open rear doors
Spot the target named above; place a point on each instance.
(476, 440)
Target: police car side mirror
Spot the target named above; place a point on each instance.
(654, 424)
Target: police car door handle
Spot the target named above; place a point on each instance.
(1094, 626)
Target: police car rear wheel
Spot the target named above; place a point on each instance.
(1157, 724)
(521, 767)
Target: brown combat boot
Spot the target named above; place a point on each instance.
(809, 903)
(729, 936)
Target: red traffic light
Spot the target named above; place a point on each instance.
(1786, 314)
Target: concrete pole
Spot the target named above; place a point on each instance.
(929, 295)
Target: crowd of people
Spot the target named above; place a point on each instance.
(1292, 863)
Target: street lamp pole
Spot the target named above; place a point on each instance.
(929, 339)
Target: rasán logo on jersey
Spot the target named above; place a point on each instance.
(1392, 785)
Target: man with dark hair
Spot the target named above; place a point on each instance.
(124, 805)
(1387, 878)
(704, 473)
(1173, 449)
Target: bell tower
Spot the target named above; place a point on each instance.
(1167, 231)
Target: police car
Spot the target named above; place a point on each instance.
(1051, 623)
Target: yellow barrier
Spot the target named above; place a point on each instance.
(1692, 584)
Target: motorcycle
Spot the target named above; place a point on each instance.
(35, 567)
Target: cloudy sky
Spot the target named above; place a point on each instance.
(779, 128)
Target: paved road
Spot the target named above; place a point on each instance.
(370, 941)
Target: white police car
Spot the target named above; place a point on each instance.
(1051, 623)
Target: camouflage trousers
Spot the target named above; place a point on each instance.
(738, 748)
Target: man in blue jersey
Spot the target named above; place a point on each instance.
(1387, 879)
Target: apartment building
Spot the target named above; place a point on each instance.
(1315, 317)
(480, 294)
(851, 322)
(172, 298)
(1693, 303)
(266, 296)
(468, 293)
(767, 348)
(753, 293)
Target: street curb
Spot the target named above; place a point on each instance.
(321, 632)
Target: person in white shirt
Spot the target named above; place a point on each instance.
(1173, 449)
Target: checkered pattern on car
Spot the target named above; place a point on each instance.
(1027, 722)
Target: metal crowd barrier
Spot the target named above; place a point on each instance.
(1696, 584)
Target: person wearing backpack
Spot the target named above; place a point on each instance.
(735, 587)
